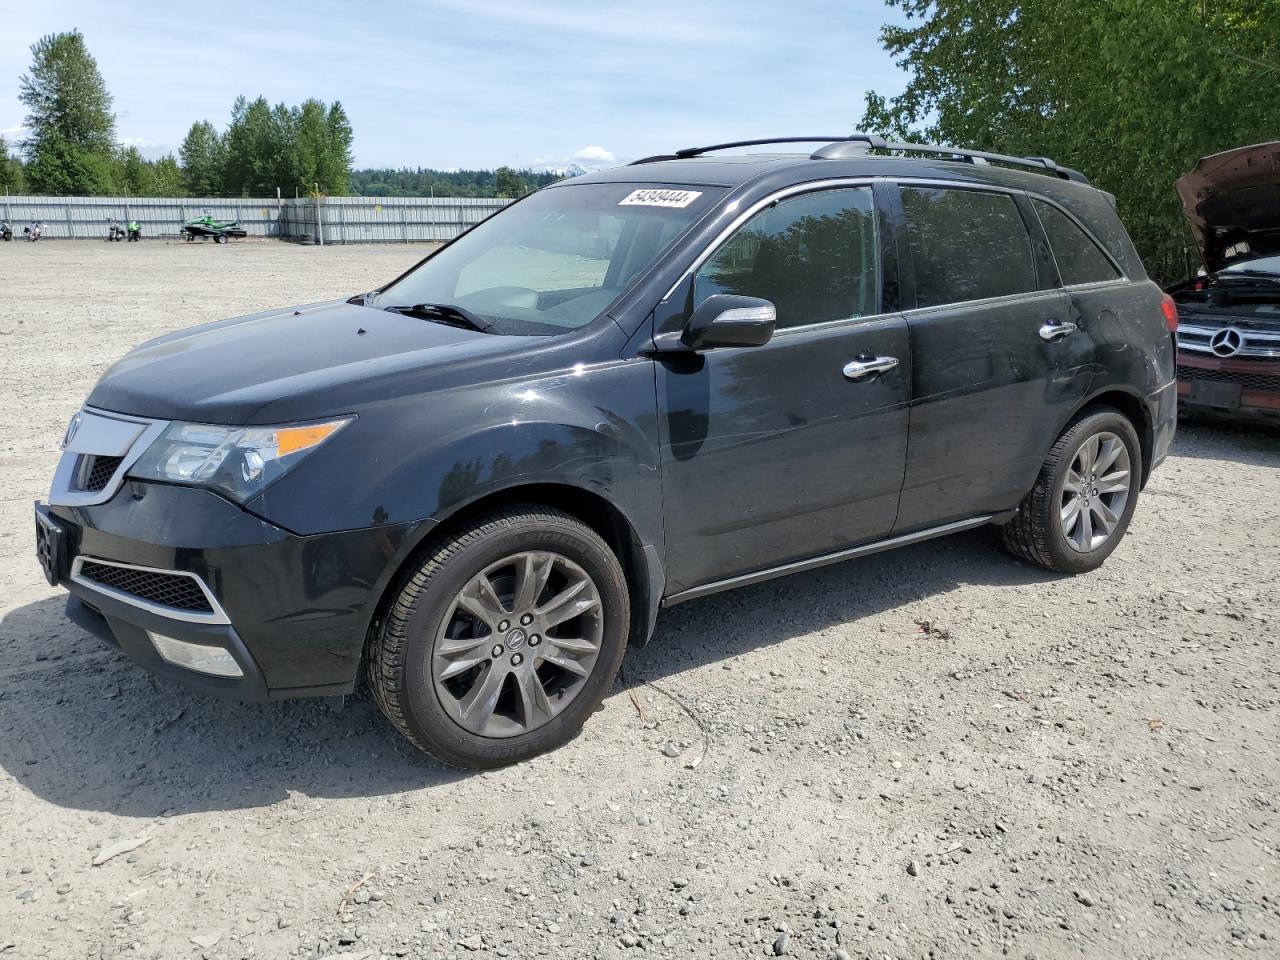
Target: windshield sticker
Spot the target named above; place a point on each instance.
(660, 198)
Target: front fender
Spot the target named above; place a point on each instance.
(424, 457)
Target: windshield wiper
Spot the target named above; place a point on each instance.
(447, 313)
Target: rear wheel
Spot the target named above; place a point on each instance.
(1084, 497)
(504, 640)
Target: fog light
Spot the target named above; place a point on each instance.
(196, 656)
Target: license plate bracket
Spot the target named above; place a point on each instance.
(50, 545)
(1213, 393)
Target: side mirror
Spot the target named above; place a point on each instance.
(727, 320)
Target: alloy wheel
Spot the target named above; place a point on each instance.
(518, 644)
(1095, 491)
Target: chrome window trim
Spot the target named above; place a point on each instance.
(63, 492)
(1032, 195)
(1106, 254)
(218, 616)
(1030, 296)
(809, 186)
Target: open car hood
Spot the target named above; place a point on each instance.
(1233, 198)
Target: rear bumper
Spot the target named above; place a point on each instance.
(1163, 408)
(1241, 389)
(291, 611)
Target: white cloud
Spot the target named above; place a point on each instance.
(150, 149)
(593, 154)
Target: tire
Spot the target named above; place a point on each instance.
(220, 238)
(426, 623)
(1037, 533)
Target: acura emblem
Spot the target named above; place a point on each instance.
(1226, 342)
(72, 427)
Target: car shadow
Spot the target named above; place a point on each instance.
(84, 728)
(1209, 438)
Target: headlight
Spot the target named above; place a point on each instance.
(239, 461)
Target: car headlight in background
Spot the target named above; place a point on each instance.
(239, 461)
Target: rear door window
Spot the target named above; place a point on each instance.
(812, 256)
(1079, 259)
(966, 245)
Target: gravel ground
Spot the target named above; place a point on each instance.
(938, 752)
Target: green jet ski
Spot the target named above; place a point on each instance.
(206, 227)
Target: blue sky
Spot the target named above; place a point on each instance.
(478, 83)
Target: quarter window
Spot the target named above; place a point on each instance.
(966, 245)
(812, 256)
(1079, 259)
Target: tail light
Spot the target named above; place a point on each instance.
(1170, 311)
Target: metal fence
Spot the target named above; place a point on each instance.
(86, 217)
(331, 219)
(383, 219)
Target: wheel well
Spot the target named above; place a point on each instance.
(1135, 411)
(593, 510)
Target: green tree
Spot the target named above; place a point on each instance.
(509, 183)
(165, 178)
(132, 174)
(72, 128)
(203, 157)
(1132, 92)
(12, 177)
(253, 149)
(335, 167)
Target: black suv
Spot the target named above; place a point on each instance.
(630, 389)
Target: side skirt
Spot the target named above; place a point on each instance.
(812, 563)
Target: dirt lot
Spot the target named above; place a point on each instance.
(938, 752)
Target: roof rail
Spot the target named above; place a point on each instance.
(685, 152)
(834, 151)
(857, 144)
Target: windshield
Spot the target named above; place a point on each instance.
(1260, 265)
(556, 260)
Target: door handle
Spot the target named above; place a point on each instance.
(1056, 330)
(860, 369)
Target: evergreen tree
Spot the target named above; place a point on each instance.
(203, 158)
(335, 167)
(70, 149)
(12, 176)
(508, 183)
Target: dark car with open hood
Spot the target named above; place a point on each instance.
(481, 481)
(1229, 318)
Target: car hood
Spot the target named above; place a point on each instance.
(299, 362)
(1234, 197)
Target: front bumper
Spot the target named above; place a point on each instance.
(1239, 388)
(293, 611)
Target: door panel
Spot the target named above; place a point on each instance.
(988, 388)
(770, 454)
(988, 395)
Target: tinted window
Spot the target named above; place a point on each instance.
(556, 260)
(1079, 259)
(812, 256)
(966, 245)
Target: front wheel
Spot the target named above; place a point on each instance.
(1084, 497)
(503, 640)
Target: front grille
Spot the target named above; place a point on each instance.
(1250, 381)
(96, 472)
(155, 586)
